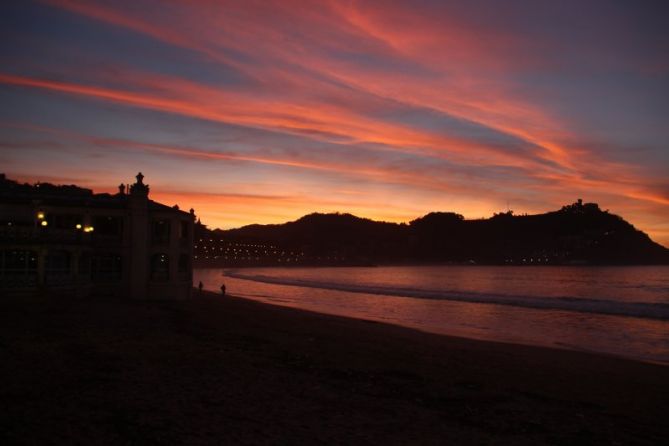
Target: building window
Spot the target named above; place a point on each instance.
(160, 232)
(106, 268)
(65, 221)
(18, 268)
(57, 266)
(184, 230)
(85, 264)
(160, 267)
(109, 226)
(184, 267)
(58, 262)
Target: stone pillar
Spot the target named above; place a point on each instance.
(173, 250)
(41, 267)
(75, 255)
(138, 252)
(80, 288)
(191, 243)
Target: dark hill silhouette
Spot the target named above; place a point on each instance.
(580, 233)
(340, 236)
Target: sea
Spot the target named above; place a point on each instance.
(619, 311)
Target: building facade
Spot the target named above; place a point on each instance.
(67, 240)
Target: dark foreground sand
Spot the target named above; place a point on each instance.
(229, 371)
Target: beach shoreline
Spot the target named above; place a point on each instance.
(219, 369)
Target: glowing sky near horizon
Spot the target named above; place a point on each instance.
(263, 111)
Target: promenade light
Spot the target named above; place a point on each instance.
(40, 215)
(45, 223)
(78, 226)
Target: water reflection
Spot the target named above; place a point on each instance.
(624, 336)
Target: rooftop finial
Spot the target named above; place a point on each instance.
(139, 187)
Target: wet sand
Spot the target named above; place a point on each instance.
(216, 370)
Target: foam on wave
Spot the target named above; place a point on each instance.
(647, 310)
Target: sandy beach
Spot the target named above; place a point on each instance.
(216, 370)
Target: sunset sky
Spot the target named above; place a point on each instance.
(263, 111)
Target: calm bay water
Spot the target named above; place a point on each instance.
(622, 311)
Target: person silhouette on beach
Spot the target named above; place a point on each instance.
(223, 289)
(199, 287)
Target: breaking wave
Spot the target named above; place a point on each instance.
(647, 310)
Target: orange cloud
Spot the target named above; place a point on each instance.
(196, 101)
(310, 70)
(442, 46)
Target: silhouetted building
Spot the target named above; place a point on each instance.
(65, 239)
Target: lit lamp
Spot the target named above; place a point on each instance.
(88, 229)
(45, 223)
(78, 226)
(40, 215)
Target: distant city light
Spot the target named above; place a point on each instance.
(44, 222)
(40, 215)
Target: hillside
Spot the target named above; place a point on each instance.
(580, 233)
